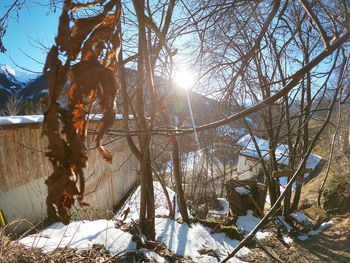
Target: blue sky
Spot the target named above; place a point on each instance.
(35, 24)
(32, 34)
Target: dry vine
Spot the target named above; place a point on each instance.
(90, 48)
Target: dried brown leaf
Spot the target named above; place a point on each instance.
(90, 79)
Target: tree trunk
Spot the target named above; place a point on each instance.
(147, 211)
(178, 181)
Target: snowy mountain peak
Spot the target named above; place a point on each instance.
(8, 70)
(20, 76)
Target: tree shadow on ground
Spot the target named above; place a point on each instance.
(329, 248)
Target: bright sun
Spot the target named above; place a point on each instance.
(184, 79)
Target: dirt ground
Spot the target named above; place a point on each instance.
(332, 245)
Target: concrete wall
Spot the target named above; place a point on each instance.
(24, 169)
(25, 202)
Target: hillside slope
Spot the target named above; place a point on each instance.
(332, 245)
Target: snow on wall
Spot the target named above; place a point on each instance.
(9, 120)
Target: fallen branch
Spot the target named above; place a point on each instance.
(269, 251)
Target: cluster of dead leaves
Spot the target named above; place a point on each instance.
(85, 56)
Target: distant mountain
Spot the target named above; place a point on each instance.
(29, 89)
(9, 85)
(35, 89)
(25, 87)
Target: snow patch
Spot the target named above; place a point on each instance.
(322, 227)
(19, 76)
(301, 218)
(98, 117)
(44, 91)
(243, 190)
(161, 204)
(151, 255)
(261, 235)
(5, 120)
(226, 207)
(248, 222)
(81, 235)
(282, 220)
(287, 239)
(187, 241)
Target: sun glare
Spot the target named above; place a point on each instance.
(184, 79)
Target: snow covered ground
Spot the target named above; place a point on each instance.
(161, 205)
(302, 219)
(226, 207)
(316, 232)
(248, 222)
(81, 235)
(188, 241)
(179, 238)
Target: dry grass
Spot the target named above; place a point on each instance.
(337, 189)
(332, 245)
(14, 252)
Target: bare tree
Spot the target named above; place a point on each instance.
(257, 53)
(12, 107)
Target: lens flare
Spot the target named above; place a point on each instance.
(184, 79)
